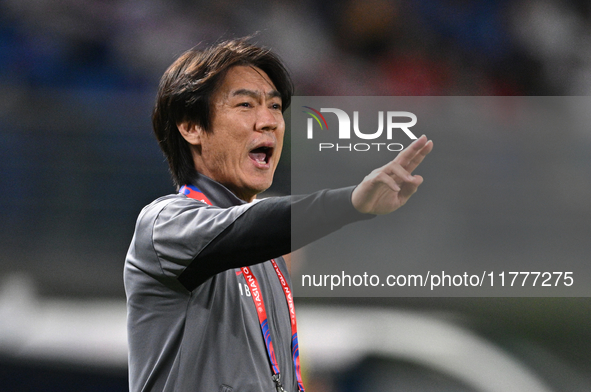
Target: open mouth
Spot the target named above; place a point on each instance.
(261, 155)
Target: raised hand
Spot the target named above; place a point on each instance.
(389, 187)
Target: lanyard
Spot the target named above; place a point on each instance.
(194, 193)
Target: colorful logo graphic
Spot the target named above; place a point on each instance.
(316, 114)
(389, 123)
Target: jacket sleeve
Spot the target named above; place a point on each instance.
(197, 243)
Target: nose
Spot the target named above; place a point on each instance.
(266, 119)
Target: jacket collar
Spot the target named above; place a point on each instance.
(218, 194)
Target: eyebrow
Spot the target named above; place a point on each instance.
(255, 94)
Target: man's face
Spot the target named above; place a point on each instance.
(244, 145)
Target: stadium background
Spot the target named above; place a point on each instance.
(77, 82)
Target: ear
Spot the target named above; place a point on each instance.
(192, 133)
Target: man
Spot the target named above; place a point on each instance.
(209, 298)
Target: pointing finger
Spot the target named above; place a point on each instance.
(393, 169)
(409, 153)
(416, 161)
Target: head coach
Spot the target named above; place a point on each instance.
(208, 292)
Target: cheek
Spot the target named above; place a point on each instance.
(216, 154)
(278, 151)
(280, 137)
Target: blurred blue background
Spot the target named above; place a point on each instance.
(77, 83)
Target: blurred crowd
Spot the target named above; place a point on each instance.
(353, 47)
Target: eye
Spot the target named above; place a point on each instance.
(244, 104)
(276, 106)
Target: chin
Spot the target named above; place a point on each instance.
(262, 186)
(261, 189)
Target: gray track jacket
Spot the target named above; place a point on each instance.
(192, 325)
